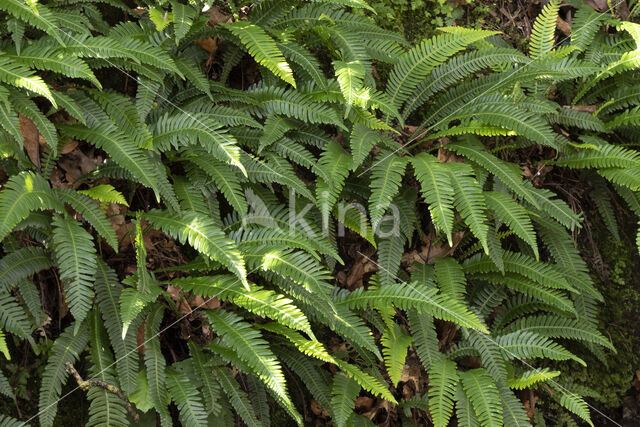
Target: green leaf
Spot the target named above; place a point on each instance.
(263, 48)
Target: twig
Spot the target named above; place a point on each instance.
(86, 385)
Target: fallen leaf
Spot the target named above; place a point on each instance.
(31, 138)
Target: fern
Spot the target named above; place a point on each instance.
(395, 344)
(263, 48)
(22, 263)
(187, 398)
(343, 396)
(76, 257)
(543, 31)
(483, 394)
(203, 235)
(443, 378)
(66, 348)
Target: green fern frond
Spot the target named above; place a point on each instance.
(468, 200)
(156, 365)
(188, 129)
(22, 263)
(66, 348)
(395, 344)
(299, 267)
(561, 327)
(574, 404)
(437, 191)
(525, 345)
(261, 302)
(80, 201)
(418, 62)
(201, 233)
(13, 318)
(108, 292)
(542, 273)
(22, 194)
(508, 173)
(514, 216)
(223, 177)
(450, 278)
(386, 178)
(119, 146)
(106, 407)
(532, 377)
(553, 297)
(543, 31)
(254, 351)
(237, 397)
(343, 396)
(482, 392)
(586, 22)
(443, 380)
(407, 296)
(76, 256)
(34, 14)
(186, 397)
(22, 77)
(263, 48)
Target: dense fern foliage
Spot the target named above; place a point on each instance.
(273, 192)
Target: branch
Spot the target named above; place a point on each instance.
(85, 385)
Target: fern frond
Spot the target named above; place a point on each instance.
(514, 216)
(201, 233)
(575, 404)
(395, 344)
(156, 365)
(22, 263)
(261, 302)
(561, 327)
(34, 14)
(343, 396)
(76, 256)
(386, 178)
(13, 318)
(299, 267)
(223, 177)
(425, 339)
(542, 273)
(254, 351)
(24, 193)
(443, 381)
(187, 129)
(238, 398)
(186, 397)
(543, 31)
(468, 200)
(407, 296)
(108, 291)
(418, 62)
(481, 390)
(553, 297)
(106, 407)
(450, 278)
(532, 377)
(263, 49)
(437, 191)
(525, 345)
(66, 348)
